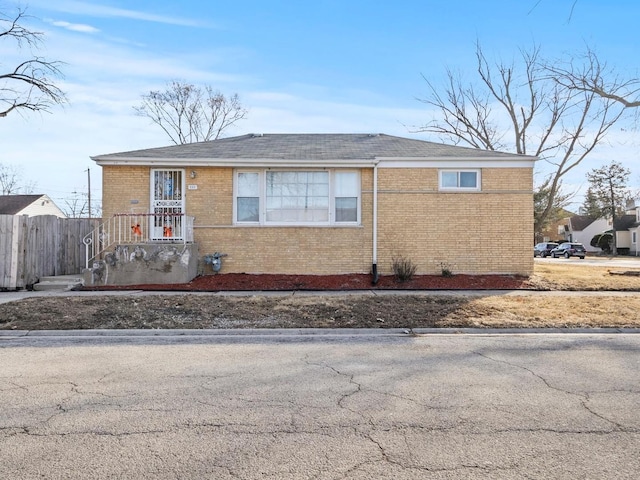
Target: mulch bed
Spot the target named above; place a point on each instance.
(273, 282)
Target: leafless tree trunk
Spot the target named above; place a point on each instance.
(525, 109)
(30, 84)
(188, 113)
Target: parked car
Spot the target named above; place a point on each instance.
(569, 249)
(543, 249)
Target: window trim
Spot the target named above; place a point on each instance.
(235, 195)
(262, 175)
(458, 188)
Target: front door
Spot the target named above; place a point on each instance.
(167, 205)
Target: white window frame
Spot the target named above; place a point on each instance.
(262, 174)
(261, 188)
(634, 237)
(458, 188)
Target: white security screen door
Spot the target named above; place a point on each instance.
(167, 204)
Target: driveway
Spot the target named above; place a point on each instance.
(327, 406)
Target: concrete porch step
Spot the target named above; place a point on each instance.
(58, 282)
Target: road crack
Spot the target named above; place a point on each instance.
(583, 398)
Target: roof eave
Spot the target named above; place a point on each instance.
(232, 162)
(383, 162)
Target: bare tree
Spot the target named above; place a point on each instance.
(188, 113)
(11, 181)
(525, 109)
(30, 84)
(78, 207)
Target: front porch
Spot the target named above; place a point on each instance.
(136, 249)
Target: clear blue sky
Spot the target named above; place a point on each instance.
(320, 66)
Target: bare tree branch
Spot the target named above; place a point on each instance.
(187, 113)
(588, 74)
(31, 84)
(573, 6)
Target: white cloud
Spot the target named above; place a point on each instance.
(95, 10)
(74, 27)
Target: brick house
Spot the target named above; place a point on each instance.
(334, 203)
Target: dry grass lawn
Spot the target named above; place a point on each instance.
(558, 310)
(553, 311)
(571, 276)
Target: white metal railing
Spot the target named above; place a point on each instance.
(128, 228)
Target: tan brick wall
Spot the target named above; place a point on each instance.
(121, 186)
(465, 232)
(403, 180)
(291, 250)
(504, 179)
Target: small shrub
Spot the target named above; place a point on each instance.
(445, 269)
(403, 268)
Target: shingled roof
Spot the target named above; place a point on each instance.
(312, 147)
(580, 222)
(625, 222)
(12, 204)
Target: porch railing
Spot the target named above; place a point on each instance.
(128, 228)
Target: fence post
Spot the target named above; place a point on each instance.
(15, 252)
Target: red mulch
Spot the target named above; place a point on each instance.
(272, 282)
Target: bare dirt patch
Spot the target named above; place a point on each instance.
(268, 282)
(354, 309)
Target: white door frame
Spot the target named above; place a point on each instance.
(167, 186)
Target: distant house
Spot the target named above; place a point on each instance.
(581, 229)
(328, 203)
(554, 231)
(30, 205)
(627, 228)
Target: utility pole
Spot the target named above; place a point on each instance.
(89, 191)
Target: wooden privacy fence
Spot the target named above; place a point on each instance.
(34, 247)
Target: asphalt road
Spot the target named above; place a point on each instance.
(323, 406)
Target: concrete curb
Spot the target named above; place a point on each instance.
(319, 332)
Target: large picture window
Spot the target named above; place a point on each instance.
(459, 180)
(297, 197)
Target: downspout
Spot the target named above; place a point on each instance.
(374, 262)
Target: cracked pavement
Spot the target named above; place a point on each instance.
(354, 407)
